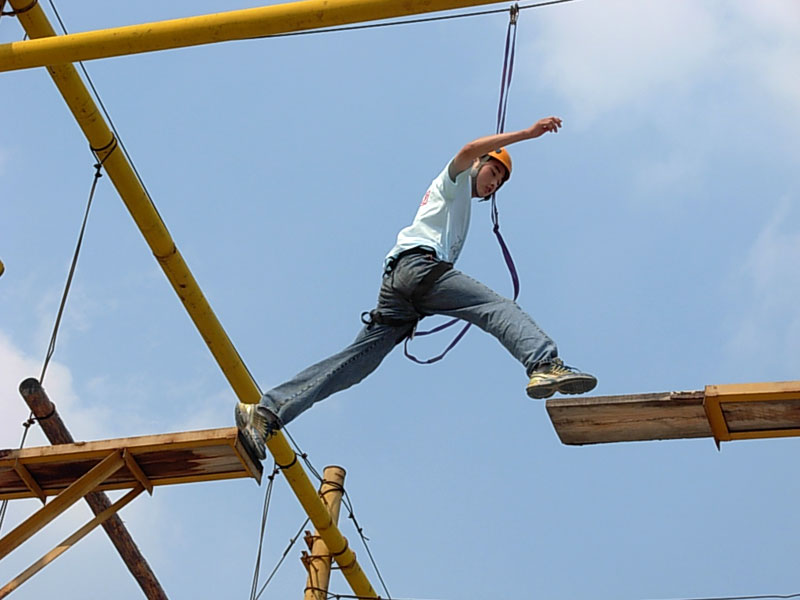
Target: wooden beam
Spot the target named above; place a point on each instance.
(82, 486)
(69, 542)
(724, 412)
(164, 459)
(57, 432)
(136, 471)
(26, 477)
(638, 417)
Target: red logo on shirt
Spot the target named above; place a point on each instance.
(425, 198)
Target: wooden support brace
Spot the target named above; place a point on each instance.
(82, 486)
(26, 476)
(69, 542)
(137, 472)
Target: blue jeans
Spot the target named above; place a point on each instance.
(454, 294)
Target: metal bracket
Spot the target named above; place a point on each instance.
(716, 396)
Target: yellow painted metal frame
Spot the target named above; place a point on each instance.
(58, 51)
(208, 29)
(717, 395)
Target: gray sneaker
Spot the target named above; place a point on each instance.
(257, 424)
(558, 377)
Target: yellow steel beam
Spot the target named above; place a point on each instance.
(209, 29)
(161, 243)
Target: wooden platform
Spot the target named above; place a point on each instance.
(724, 412)
(152, 460)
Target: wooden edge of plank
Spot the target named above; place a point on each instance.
(110, 487)
(251, 463)
(136, 445)
(654, 397)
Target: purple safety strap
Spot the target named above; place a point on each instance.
(505, 85)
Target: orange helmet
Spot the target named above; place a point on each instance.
(502, 155)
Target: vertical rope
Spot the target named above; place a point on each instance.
(109, 149)
(502, 108)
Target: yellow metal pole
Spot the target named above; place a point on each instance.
(209, 29)
(161, 243)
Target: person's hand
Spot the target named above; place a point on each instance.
(542, 126)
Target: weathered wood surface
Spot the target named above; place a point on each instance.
(664, 416)
(57, 433)
(165, 459)
(762, 416)
(600, 419)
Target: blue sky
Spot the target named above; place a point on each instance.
(656, 235)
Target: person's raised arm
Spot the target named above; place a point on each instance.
(477, 148)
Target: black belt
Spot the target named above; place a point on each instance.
(415, 250)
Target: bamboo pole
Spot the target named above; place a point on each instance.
(319, 562)
(57, 432)
(161, 243)
(209, 29)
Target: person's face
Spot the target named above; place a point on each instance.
(490, 177)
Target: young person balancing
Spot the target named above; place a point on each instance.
(419, 280)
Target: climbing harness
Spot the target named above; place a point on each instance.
(505, 85)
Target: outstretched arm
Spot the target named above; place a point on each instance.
(477, 148)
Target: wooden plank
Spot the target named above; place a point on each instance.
(639, 417)
(165, 459)
(750, 410)
(762, 416)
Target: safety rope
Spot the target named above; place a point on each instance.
(97, 175)
(505, 85)
(292, 542)
(264, 513)
(348, 503)
(25, 426)
(18, 11)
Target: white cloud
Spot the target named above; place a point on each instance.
(768, 327)
(610, 55)
(16, 366)
(621, 55)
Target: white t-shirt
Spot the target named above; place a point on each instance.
(442, 219)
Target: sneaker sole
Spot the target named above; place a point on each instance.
(577, 385)
(248, 435)
(254, 444)
(541, 392)
(566, 385)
